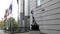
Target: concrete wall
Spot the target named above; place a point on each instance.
(47, 16)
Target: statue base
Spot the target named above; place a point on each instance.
(34, 32)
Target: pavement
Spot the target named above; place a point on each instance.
(2, 32)
(22, 33)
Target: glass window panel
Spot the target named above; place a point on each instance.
(38, 2)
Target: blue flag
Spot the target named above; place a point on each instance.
(10, 8)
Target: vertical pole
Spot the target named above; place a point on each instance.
(23, 8)
(18, 10)
(29, 12)
(23, 14)
(18, 14)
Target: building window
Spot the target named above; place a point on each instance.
(38, 3)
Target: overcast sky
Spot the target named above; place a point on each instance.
(4, 4)
(15, 9)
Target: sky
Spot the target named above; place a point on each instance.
(15, 9)
(4, 4)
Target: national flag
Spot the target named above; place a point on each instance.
(6, 14)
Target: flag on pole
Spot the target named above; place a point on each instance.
(10, 9)
(6, 14)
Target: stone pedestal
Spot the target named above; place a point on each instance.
(34, 32)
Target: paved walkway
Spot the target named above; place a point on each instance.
(2, 32)
(22, 33)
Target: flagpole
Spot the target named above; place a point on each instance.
(12, 8)
(11, 15)
(18, 10)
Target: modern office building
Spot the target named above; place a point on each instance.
(24, 22)
(21, 23)
(27, 24)
(20, 4)
(47, 15)
(21, 20)
(23, 13)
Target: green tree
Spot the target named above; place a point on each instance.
(12, 23)
(1, 24)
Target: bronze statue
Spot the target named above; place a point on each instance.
(34, 25)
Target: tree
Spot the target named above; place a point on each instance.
(1, 24)
(12, 23)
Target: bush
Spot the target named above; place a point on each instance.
(1, 24)
(12, 23)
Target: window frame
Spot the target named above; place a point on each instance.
(37, 3)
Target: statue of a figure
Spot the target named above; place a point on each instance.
(34, 25)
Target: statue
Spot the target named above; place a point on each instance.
(34, 25)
